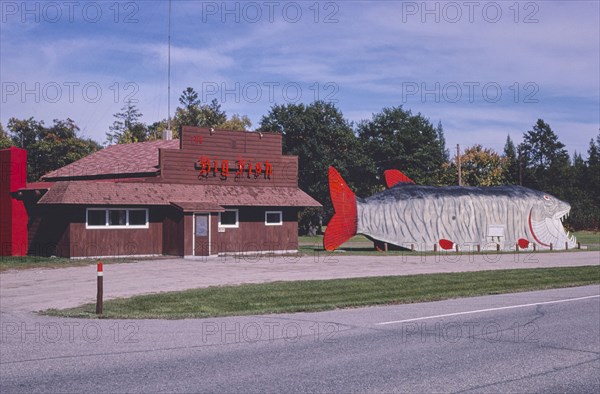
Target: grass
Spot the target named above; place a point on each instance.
(358, 245)
(361, 245)
(33, 262)
(319, 295)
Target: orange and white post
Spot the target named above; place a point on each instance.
(99, 294)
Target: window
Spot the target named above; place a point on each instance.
(96, 217)
(201, 225)
(273, 218)
(106, 218)
(138, 217)
(117, 217)
(229, 218)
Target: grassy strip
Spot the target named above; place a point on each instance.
(361, 245)
(33, 262)
(319, 295)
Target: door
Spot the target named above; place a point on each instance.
(201, 234)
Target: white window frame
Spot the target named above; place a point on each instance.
(237, 219)
(107, 226)
(280, 223)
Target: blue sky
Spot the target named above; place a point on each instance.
(484, 69)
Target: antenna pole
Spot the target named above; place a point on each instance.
(169, 74)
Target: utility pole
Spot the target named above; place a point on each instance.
(458, 165)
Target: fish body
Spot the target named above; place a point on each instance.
(427, 217)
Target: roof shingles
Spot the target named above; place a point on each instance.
(129, 193)
(141, 158)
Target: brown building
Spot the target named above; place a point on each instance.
(208, 193)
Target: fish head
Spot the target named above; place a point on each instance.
(546, 221)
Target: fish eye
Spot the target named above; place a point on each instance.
(546, 198)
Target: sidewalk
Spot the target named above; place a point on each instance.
(39, 289)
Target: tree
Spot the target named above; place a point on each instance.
(127, 127)
(236, 122)
(156, 129)
(545, 160)
(482, 167)
(49, 148)
(25, 132)
(591, 176)
(395, 138)
(511, 157)
(193, 113)
(320, 136)
(5, 141)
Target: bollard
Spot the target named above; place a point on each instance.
(578, 245)
(456, 248)
(566, 246)
(551, 246)
(497, 247)
(534, 247)
(100, 291)
(478, 248)
(517, 248)
(412, 247)
(435, 248)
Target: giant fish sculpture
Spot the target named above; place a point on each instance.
(423, 217)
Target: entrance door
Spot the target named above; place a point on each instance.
(201, 234)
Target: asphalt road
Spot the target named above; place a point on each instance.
(525, 342)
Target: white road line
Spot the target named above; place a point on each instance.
(487, 310)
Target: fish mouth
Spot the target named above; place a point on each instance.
(551, 229)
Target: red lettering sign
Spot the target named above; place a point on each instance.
(207, 166)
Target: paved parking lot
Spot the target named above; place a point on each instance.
(39, 289)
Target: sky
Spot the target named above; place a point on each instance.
(485, 69)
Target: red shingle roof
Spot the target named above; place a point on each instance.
(141, 159)
(128, 193)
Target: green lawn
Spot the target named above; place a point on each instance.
(360, 244)
(31, 262)
(318, 295)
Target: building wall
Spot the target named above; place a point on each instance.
(173, 232)
(48, 229)
(253, 235)
(117, 242)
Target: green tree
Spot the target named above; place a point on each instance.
(236, 122)
(49, 148)
(156, 129)
(5, 141)
(25, 132)
(127, 127)
(545, 160)
(511, 157)
(193, 113)
(320, 136)
(397, 139)
(480, 167)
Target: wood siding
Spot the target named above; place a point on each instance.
(180, 166)
(117, 242)
(48, 230)
(173, 232)
(253, 235)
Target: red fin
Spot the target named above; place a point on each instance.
(393, 177)
(342, 225)
(446, 244)
(523, 243)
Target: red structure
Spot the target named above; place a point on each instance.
(209, 193)
(13, 216)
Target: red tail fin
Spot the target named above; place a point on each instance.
(393, 177)
(342, 225)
